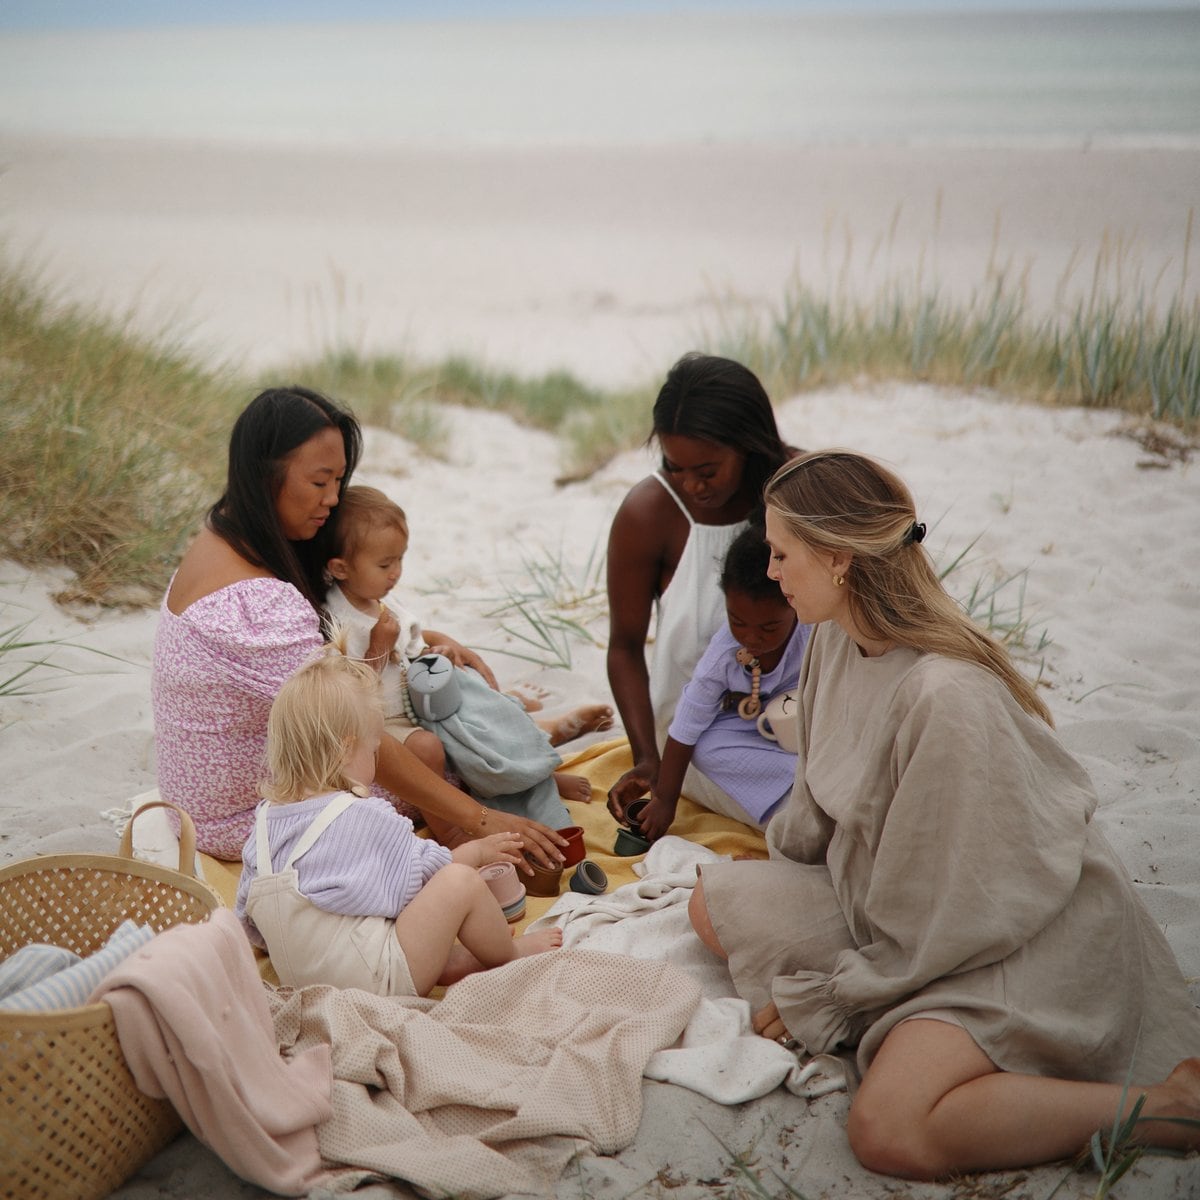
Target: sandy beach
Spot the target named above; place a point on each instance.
(612, 263)
(606, 261)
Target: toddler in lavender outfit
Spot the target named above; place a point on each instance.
(336, 885)
(756, 653)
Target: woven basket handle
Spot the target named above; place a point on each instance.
(187, 836)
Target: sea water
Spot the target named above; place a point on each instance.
(631, 80)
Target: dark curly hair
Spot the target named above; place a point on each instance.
(745, 567)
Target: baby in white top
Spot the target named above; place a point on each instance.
(370, 541)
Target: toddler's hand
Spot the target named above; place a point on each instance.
(496, 847)
(384, 635)
(464, 656)
(656, 817)
(633, 785)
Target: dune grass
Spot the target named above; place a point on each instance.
(27, 663)
(106, 444)
(113, 443)
(1113, 349)
(392, 392)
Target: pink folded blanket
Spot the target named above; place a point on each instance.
(194, 1025)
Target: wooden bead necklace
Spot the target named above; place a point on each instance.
(750, 707)
(405, 698)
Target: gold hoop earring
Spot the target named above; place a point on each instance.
(839, 580)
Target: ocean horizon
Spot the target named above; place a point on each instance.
(1120, 78)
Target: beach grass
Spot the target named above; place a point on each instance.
(1109, 352)
(548, 606)
(113, 443)
(395, 393)
(27, 664)
(110, 444)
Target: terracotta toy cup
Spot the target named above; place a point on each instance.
(543, 881)
(573, 851)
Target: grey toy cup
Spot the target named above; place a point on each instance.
(629, 843)
(588, 879)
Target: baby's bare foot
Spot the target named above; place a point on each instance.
(587, 718)
(537, 940)
(529, 695)
(573, 787)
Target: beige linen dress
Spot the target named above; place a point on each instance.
(937, 853)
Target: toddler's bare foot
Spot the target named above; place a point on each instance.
(1177, 1096)
(573, 787)
(587, 718)
(529, 695)
(537, 940)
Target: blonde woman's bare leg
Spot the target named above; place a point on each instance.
(933, 1104)
(701, 921)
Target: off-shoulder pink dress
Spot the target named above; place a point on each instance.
(217, 668)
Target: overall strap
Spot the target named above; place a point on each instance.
(674, 496)
(318, 825)
(261, 841)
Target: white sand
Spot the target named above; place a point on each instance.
(1104, 532)
(608, 262)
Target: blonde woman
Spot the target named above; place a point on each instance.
(938, 899)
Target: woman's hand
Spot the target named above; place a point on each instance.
(768, 1023)
(384, 635)
(542, 842)
(633, 785)
(495, 848)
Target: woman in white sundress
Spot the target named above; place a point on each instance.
(714, 424)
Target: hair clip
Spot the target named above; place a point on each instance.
(916, 533)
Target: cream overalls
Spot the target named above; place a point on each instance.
(308, 945)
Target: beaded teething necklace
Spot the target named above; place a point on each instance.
(406, 699)
(750, 707)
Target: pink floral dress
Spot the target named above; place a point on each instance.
(217, 668)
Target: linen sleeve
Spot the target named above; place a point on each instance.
(700, 702)
(979, 849)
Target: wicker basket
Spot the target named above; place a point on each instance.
(73, 1124)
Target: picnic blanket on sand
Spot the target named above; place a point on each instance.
(644, 915)
(488, 1092)
(720, 1056)
(492, 1090)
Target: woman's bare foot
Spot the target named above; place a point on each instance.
(587, 718)
(529, 696)
(573, 787)
(1177, 1096)
(537, 940)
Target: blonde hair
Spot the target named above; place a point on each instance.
(361, 510)
(323, 708)
(839, 501)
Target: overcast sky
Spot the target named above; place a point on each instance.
(94, 14)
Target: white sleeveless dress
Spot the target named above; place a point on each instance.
(689, 612)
